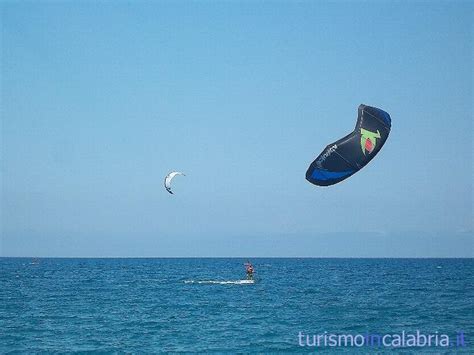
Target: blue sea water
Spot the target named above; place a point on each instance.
(158, 305)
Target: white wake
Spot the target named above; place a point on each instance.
(217, 282)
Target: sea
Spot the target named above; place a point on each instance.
(200, 305)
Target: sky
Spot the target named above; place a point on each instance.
(100, 100)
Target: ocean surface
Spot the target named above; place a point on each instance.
(199, 305)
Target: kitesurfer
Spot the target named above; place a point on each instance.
(249, 269)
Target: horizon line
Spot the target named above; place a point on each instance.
(236, 257)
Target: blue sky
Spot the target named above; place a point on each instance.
(100, 100)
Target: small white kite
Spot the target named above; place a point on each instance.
(168, 179)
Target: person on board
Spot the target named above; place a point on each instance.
(249, 269)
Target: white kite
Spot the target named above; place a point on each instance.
(168, 179)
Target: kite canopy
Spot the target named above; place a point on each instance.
(168, 179)
(348, 155)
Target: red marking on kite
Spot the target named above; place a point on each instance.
(368, 145)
